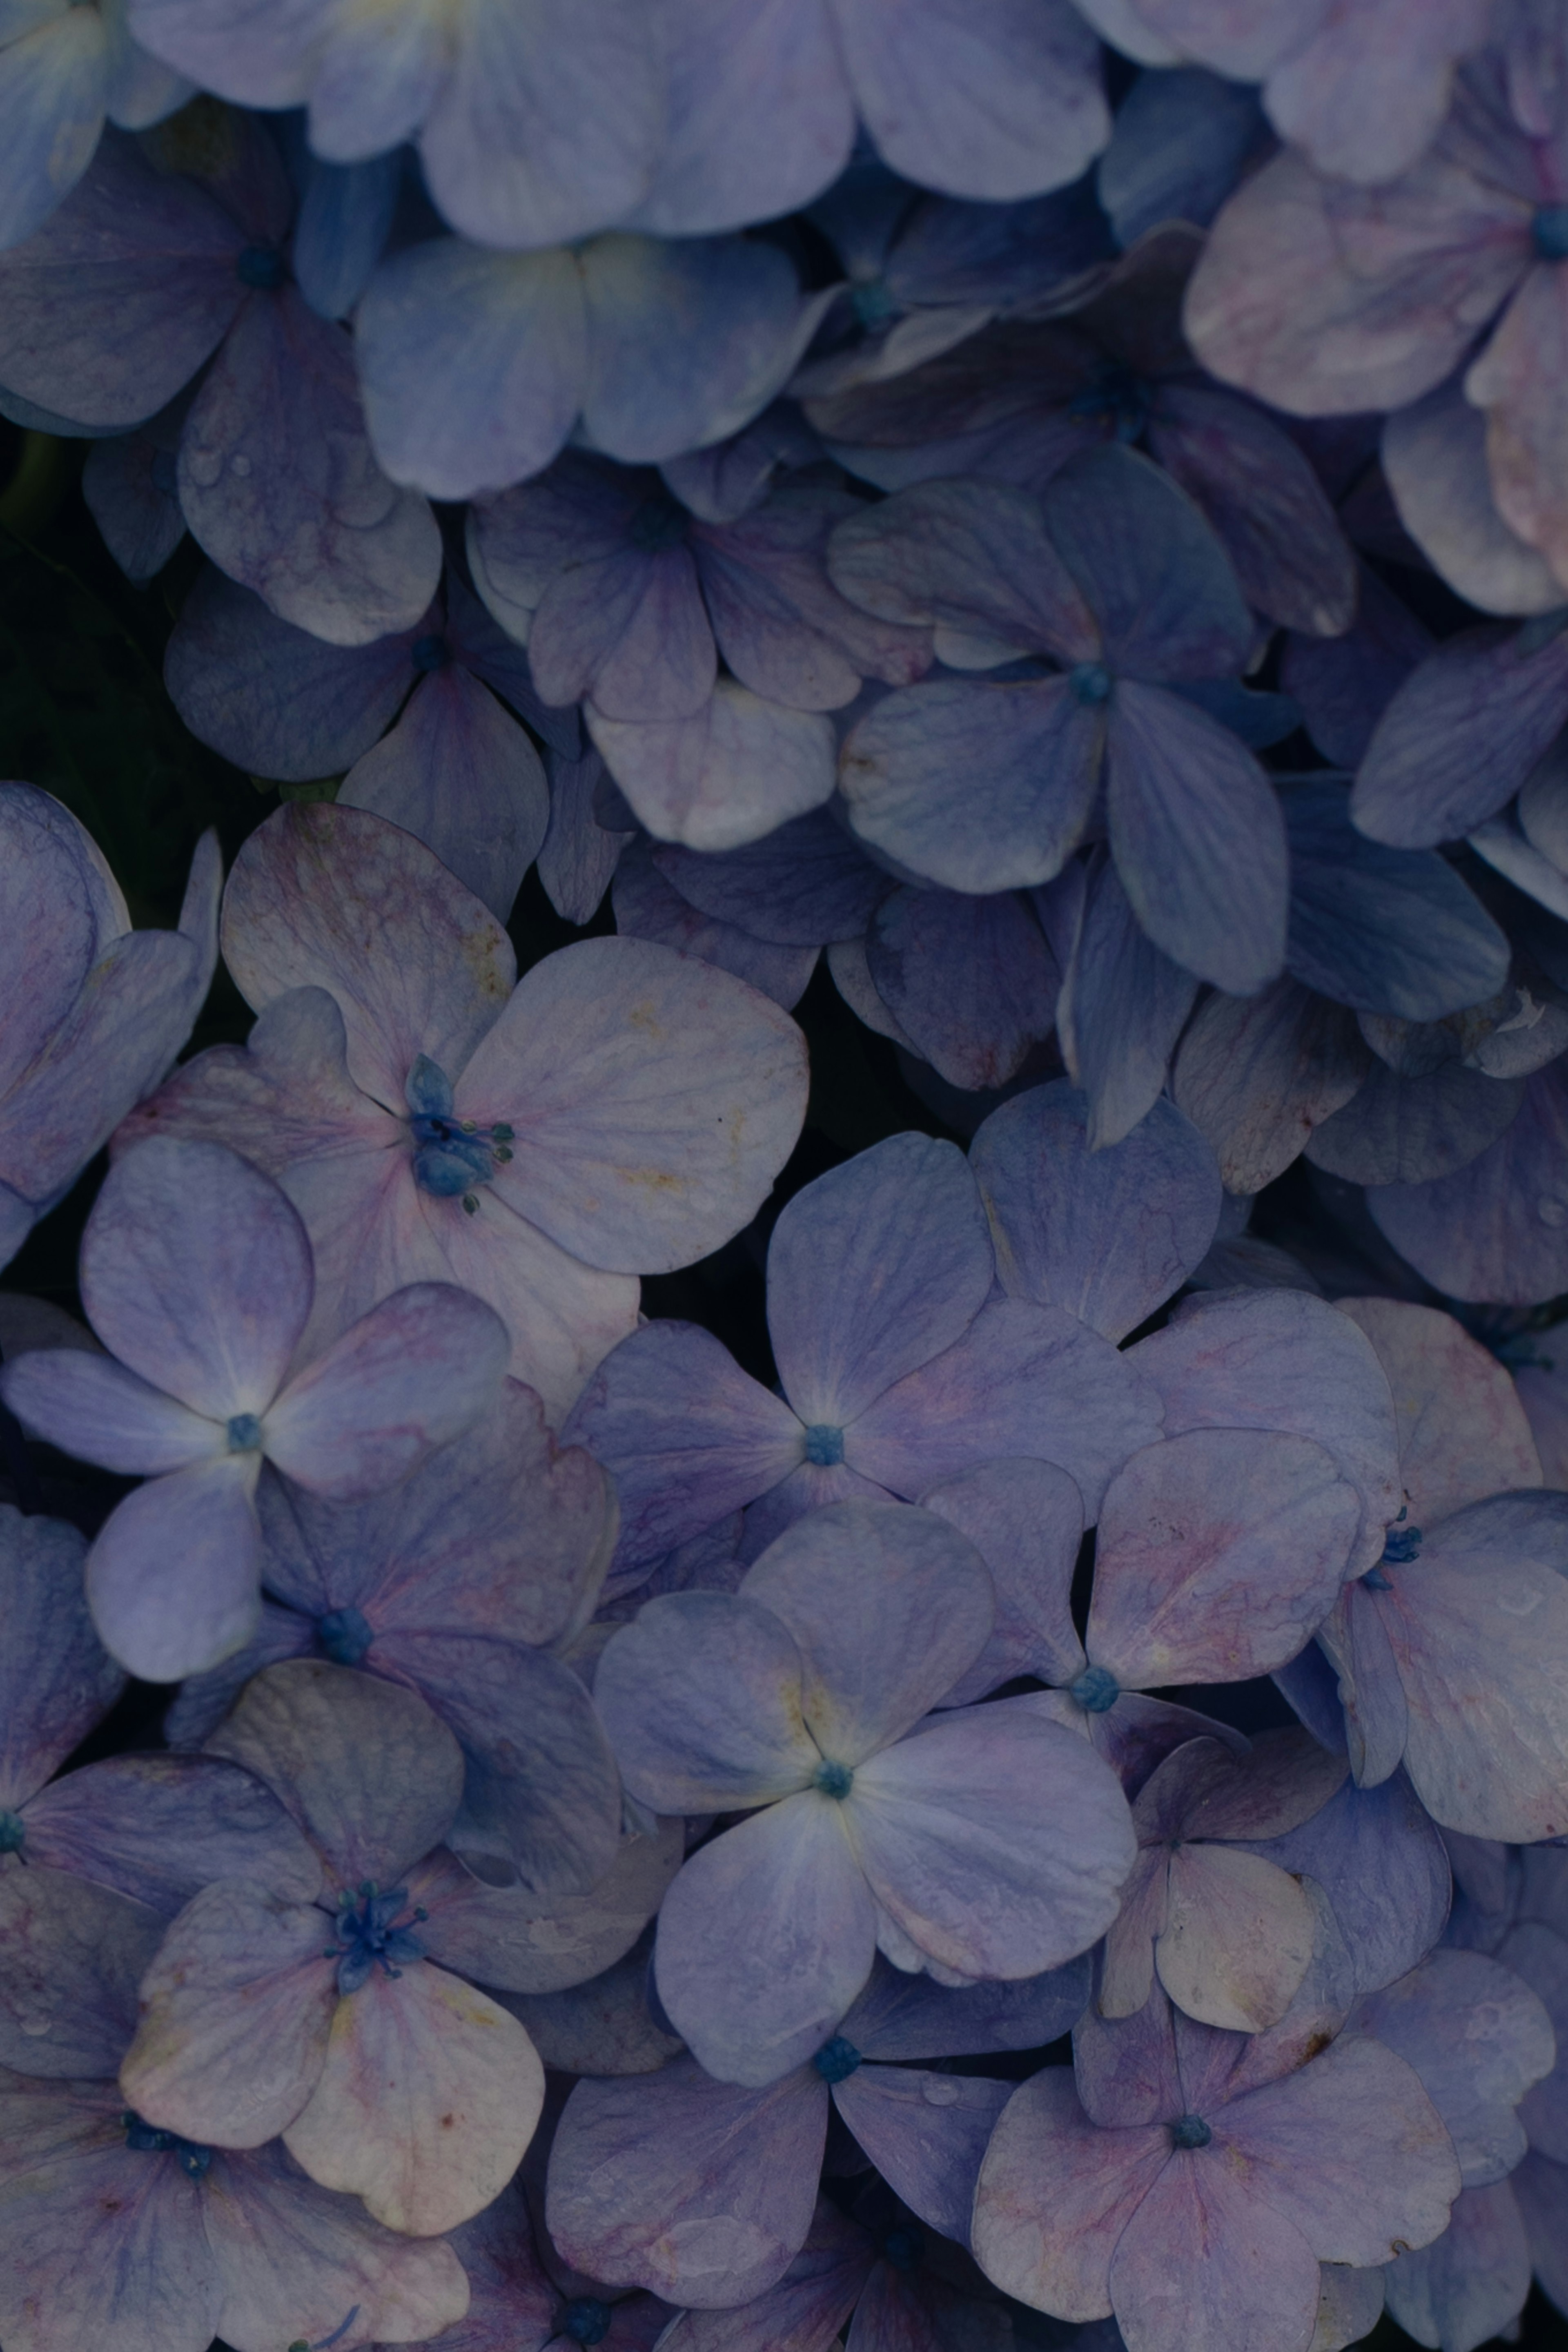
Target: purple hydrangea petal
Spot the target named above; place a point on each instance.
(806, 2308)
(1055, 2195)
(1356, 1640)
(1256, 1073)
(1160, 585)
(1470, 2285)
(926, 2134)
(71, 1956)
(1122, 1007)
(160, 1828)
(1462, 1425)
(55, 1681)
(1434, 458)
(1236, 1937)
(1479, 2037)
(736, 770)
(1511, 382)
(128, 485)
(527, 1944)
(971, 981)
(904, 2017)
(1180, 142)
(649, 908)
(1536, 1952)
(1379, 1858)
(702, 1698)
(1419, 783)
(171, 1577)
(53, 87)
(1027, 1520)
(802, 885)
(1343, 685)
(972, 558)
(1073, 1226)
(1204, 2242)
(81, 1401)
(1405, 1130)
(1493, 1229)
(603, 2026)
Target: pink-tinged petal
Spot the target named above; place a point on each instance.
(1486, 700)
(1478, 2036)
(1322, 299)
(56, 1680)
(871, 1271)
(94, 1408)
(1495, 1228)
(1462, 1429)
(71, 1957)
(290, 2257)
(696, 2188)
(971, 981)
(160, 1828)
(702, 1698)
(1056, 2193)
(117, 302)
(927, 2134)
(413, 1374)
(236, 2010)
(462, 777)
(1198, 839)
(649, 908)
(1284, 1360)
(1469, 2286)
(996, 102)
(119, 2240)
(1022, 1379)
(653, 1099)
(1135, 1734)
(735, 771)
(1356, 1640)
(1127, 2070)
(1204, 2260)
(765, 1939)
(530, 1944)
(888, 1606)
(1257, 1074)
(195, 1272)
(1075, 1227)
(363, 1766)
(1221, 1553)
(963, 1835)
(1027, 1520)
(337, 898)
(1435, 461)
(172, 1575)
(1284, 1779)
(1351, 2149)
(427, 2099)
(1236, 1939)
(1511, 382)
(1367, 108)
(1477, 1623)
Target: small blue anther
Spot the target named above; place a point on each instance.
(873, 302)
(1191, 2131)
(586, 2320)
(904, 2249)
(146, 2139)
(837, 2060)
(13, 1831)
(243, 1433)
(1090, 683)
(835, 1779)
(262, 268)
(824, 1444)
(429, 654)
(1549, 232)
(1401, 1546)
(343, 1635)
(659, 524)
(1095, 1690)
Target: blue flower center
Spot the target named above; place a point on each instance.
(262, 268)
(1095, 1690)
(835, 1779)
(1401, 1546)
(585, 2320)
(824, 1444)
(1090, 683)
(659, 523)
(452, 1156)
(430, 653)
(243, 1433)
(343, 1635)
(147, 2140)
(371, 1933)
(904, 2249)
(836, 2061)
(1116, 399)
(1549, 232)
(873, 302)
(1191, 2131)
(13, 1831)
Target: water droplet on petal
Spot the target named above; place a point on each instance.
(940, 2091)
(1551, 1210)
(240, 465)
(204, 466)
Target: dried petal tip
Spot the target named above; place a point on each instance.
(1549, 232)
(824, 1445)
(1095, 1690)
(835, 1779)
(243, 1433)
(343, 1635)
(13, 1830)
(837, 2060)
(585, 2320)
(1191, 2131)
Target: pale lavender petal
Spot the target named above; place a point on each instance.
(1257, 1075)
(1435, 458)
(92, 1407)
(1479, 2037)
(805, 2311)
(702, 1699)
(1236, 1937)
(160, 1828)
(649, 908)
(74, 1954)
(971, 981)
(55, 1681)
(1355, 1640)
(1461, 1426)
(1378, 1856)
(53, 85)
(1056, 2193)
(529, 1944)
(602, 2027)
(737, 769)
(1204, 2253)
(1027, 1520)
(1471, 2283)
(927, 2134)
(172, 1575)
(1461, 736)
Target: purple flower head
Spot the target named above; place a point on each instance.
(702, 2190)
(621, 1112)
(196, 1273)
(1022, 398)
(94, 1011)
(1189, 2180)
(319, 2001)
(898, 1368)
(173, 252)
(796, 1700)
(454, 768)
(1321, 296)
(120, 2229)
(63, 72)
(1116, 578)
(459, 1584)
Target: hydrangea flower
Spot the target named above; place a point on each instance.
(157, 265)
(63, 71)
(796, 1700)
(1191, 2181)
(94, 1011)
(318, 2002)
(117, 2229)
(897, 1367)
(424, 721)
(458, 1583)
(704, 2190)
(196, 1273)
(621, 1112)
(1115, 576)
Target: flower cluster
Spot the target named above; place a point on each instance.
(1024, 1787)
